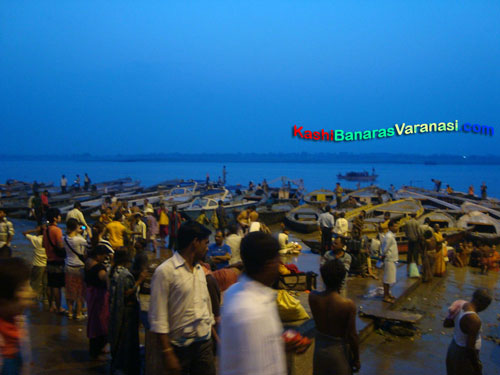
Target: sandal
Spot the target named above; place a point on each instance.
(390, 300)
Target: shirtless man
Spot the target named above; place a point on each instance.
(463, 352)
(244, 219)
(335, 318)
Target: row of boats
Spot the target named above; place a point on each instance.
(190, 198)
(458, 215)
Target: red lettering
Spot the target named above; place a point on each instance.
(297, 131)
(324, 134)
(316, 136)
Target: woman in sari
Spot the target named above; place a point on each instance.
(175, 220)
(428, 256)
(441, 252)
(97, 300)
(124, 317)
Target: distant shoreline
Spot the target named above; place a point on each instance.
(319, 158)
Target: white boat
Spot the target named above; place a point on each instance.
(480, 225)
(210, 203)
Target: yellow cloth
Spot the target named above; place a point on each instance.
(385, 226)
(215, 220)
(441, 253)
(202, 219)
(284, 270)
(289, 308)
(163, 218)
(115, 231)
(321, 197)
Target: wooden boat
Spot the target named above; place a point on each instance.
(303, 218)
(455, 198)
(274, 213)
(480, 226)
(368, 195)
(208, 204)
(358, 176)
(399, 210)
(428, 201)
(469, 207)
(319, 197)
(439, 217)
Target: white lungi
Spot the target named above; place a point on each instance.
(389, 272)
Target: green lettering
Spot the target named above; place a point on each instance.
(441, 127)
(390, 132)
(339, 135)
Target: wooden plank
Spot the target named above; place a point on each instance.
(373, 312)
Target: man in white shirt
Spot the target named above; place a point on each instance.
(390, 256)
(341, 225)
(180, 311)
(77, 214)
(251, 341)
(38, 279)
(233, 240)
(326, 222)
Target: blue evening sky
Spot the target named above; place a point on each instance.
(208, 76)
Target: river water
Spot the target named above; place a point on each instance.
(315, 176)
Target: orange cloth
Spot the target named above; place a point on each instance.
(11, 338)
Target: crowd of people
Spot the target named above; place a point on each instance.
(112, 276)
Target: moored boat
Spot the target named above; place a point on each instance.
(319, 197)
(303, 218)
(480, 226)
(358, 176)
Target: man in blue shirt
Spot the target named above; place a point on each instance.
(219, 253)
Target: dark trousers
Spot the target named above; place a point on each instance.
(172, 242)
(5, 251)
(197, 358)
(326, 239)
(413, 252)
(96, 345)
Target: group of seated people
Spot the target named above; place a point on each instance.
(476, 254)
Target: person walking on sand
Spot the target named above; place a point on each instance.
(390, 257)
(463, 353)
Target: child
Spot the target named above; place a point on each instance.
(39, 269)
(15, 296)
